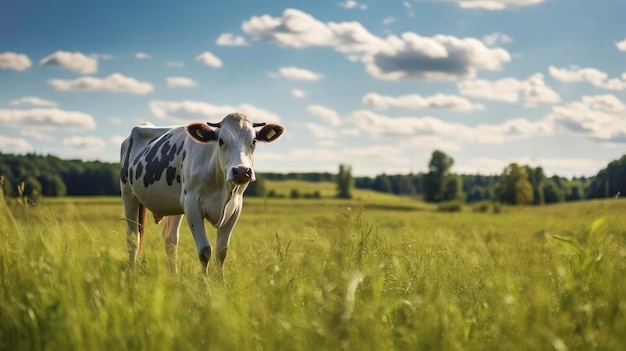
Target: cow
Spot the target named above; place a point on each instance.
(199, 170)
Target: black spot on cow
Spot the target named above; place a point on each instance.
(124, 169)
(178, 179)
(180, 148)
(130, 175)
(170, 175)
(159, 157)
(184, 154)
(139, 170)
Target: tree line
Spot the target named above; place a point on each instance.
(517, 184)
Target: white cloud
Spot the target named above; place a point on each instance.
(47, 118)
(432, 142)
(229, 39)
(180, 82)
(14, 145)
(14, 61)
(143, 56)
(116, 140)
(325, 114)
(184, 111)
(593, 76)
(33, 101)
(351, 4)
(297, 93)
(395, 57)
(495, 4)
(209, 59)
(320, 132)
(530, 92)
(116, 83)
(621, 45)
(380, 125)
(175, 64)
(86, 144)
(294, 73)
(494, 39)
(388, 20)
(599, 117)
(417, 102)
(73, 61)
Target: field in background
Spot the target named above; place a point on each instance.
(376, 272)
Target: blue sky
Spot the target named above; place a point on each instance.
(378, 85)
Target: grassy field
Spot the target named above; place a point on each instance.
(374, 273)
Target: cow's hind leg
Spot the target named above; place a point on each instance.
(171, 233)
(133, 235)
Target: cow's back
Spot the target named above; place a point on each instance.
(151, 167)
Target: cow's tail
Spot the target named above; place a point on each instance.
(142, 221)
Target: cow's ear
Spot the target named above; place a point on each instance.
(269, 133)
(201, 132)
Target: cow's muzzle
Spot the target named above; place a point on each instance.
(242, 174)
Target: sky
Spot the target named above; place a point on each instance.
(378, 85)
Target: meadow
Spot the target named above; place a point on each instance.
(378, 272)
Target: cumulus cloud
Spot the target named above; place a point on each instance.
(294, 73)
(621, 45)
(599, 117)
(229, 39)
(143, 56)
(48, 118)
(351, 4)
(14, 145)
(593, 76)
(180, 82)
(207, 58)
(297, 93)
(184, 111)
(494, 39)
(321, 132)
(115, 83)
(86, 144)
(381, 125)
(395, 57)
(530, 92)
(495, 4)
(33, 101)
(417, 102)
(14, 61)
(324, 113)
(73, 61)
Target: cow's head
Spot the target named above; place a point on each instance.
(235, 137)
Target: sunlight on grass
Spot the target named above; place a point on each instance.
(319, 274)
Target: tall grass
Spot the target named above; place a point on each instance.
(320, 275)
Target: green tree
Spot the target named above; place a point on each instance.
(514, 187)
(434, 180)
(537, 180)
(257, 188)
(552, 193)
(344, 182)
(453, 188)
(382, 183)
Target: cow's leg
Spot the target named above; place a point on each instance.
(223, 236)
(195, 220)
(131, 211)
(170, 236)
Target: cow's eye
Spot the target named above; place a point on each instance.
(220, 141)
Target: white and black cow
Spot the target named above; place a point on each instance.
(200, 170)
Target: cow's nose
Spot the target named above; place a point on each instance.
(242, 174)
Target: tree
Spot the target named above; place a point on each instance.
(382, 183)
(434, 180)
(552, 193)
(344, 182)
(513, 187)
(453, 188)
(537, 180)
(257, 188)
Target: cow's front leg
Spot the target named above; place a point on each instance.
(195, 219)
(223, 236)
(171, 233)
